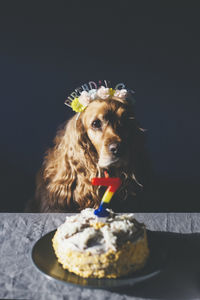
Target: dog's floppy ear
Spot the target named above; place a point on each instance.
(72, 154)
(59, 168)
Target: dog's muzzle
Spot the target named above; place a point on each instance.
(116, 149)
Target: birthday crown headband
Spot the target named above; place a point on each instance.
(82, 96)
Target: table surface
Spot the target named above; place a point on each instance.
(19, 279)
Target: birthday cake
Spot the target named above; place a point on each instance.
(108, 247)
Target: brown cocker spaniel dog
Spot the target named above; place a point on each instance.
(105, 136)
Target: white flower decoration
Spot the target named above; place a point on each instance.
(84, 98)
(103, 93)
(120, 93)
(93, 94)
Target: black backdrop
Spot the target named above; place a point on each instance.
(48, 48)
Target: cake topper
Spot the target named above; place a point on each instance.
(82, 96)
(113, 184)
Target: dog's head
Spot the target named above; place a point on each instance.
(110, 127)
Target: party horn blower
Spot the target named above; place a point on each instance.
(113, 184)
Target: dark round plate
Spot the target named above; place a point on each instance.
(45, 260)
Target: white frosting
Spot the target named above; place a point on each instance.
(78, 233)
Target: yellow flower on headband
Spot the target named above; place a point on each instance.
(77, 106)
(112, 91)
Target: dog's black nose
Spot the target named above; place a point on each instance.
(115, 149)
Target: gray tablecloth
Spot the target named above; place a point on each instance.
(180, 279)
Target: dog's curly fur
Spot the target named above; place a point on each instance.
(64, 182)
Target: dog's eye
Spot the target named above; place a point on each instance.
(96, 124)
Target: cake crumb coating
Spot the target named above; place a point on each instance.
(108, 247)
(128, 258)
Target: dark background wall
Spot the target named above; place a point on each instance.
(49, 48)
